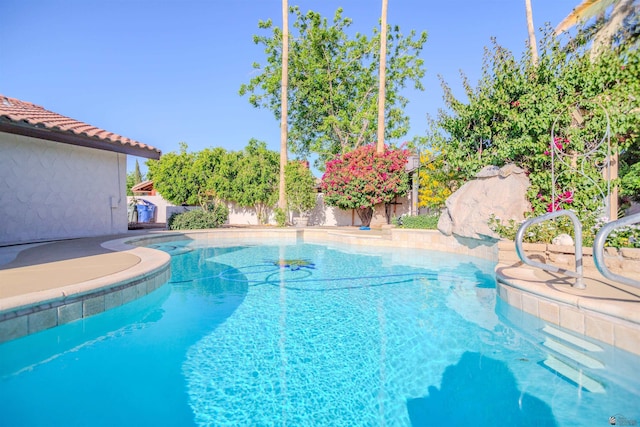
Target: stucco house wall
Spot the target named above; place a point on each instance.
(60, 178)
(50, 190)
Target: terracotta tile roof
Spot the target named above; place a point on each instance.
(144, 186)
(28, 119)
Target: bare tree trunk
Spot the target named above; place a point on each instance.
(383, 75)
(282, 199)
(365, 215)
(533, 45)
(611, 174)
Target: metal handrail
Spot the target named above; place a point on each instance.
(598, 249)
(577, 227)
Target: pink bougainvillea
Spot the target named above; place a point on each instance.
(362, 178)
(559, 143)
(561, 201)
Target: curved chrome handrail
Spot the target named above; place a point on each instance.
(577, 227)
(598, 249)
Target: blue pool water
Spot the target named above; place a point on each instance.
(310, 335)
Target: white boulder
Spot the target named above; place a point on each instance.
(563, 239)
(495, 191)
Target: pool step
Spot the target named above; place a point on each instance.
(570, 356)
(577, 341)
(577, 376)
(572, 348)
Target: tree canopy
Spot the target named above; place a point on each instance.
(333, 83)
(134, 178)
(509, 118)
(248, 177)
(256, 178)
(174, 177)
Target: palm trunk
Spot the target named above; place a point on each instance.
(604, 37)
(383, 76)
(533, 45)
(282, 200)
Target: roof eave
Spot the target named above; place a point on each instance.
(74, 139)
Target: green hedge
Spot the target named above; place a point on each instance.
(425, 222)
(199, 219)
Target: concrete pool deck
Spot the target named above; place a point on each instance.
(52, 265)
(43, 285)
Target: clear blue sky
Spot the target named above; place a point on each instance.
(162, 72)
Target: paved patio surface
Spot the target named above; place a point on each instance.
(42, 266)
(35, 267)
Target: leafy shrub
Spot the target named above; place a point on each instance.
(200, 219)
(621, 237)
(300, 187)
(544, 232)
(425, 222)
(281, 217)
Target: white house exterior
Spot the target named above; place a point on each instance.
(60, 178)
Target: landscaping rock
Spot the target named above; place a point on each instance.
(563, 239)
(495, 191)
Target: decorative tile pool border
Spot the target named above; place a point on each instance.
(616, 328)
(38, 317)
(27, 314)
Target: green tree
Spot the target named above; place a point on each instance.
(130, 183)
(213, 175)
(621, 26)
(300, 187)
(134, 178)
(208, 172)
(363, 178)
(254, 178)
(608, 29)
(175, 178)
(137, 175)
(333, 83)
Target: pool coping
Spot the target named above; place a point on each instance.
(604, 311)
(33, 312)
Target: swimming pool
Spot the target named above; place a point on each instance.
(308, 334)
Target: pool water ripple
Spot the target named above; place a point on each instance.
(347, 355)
